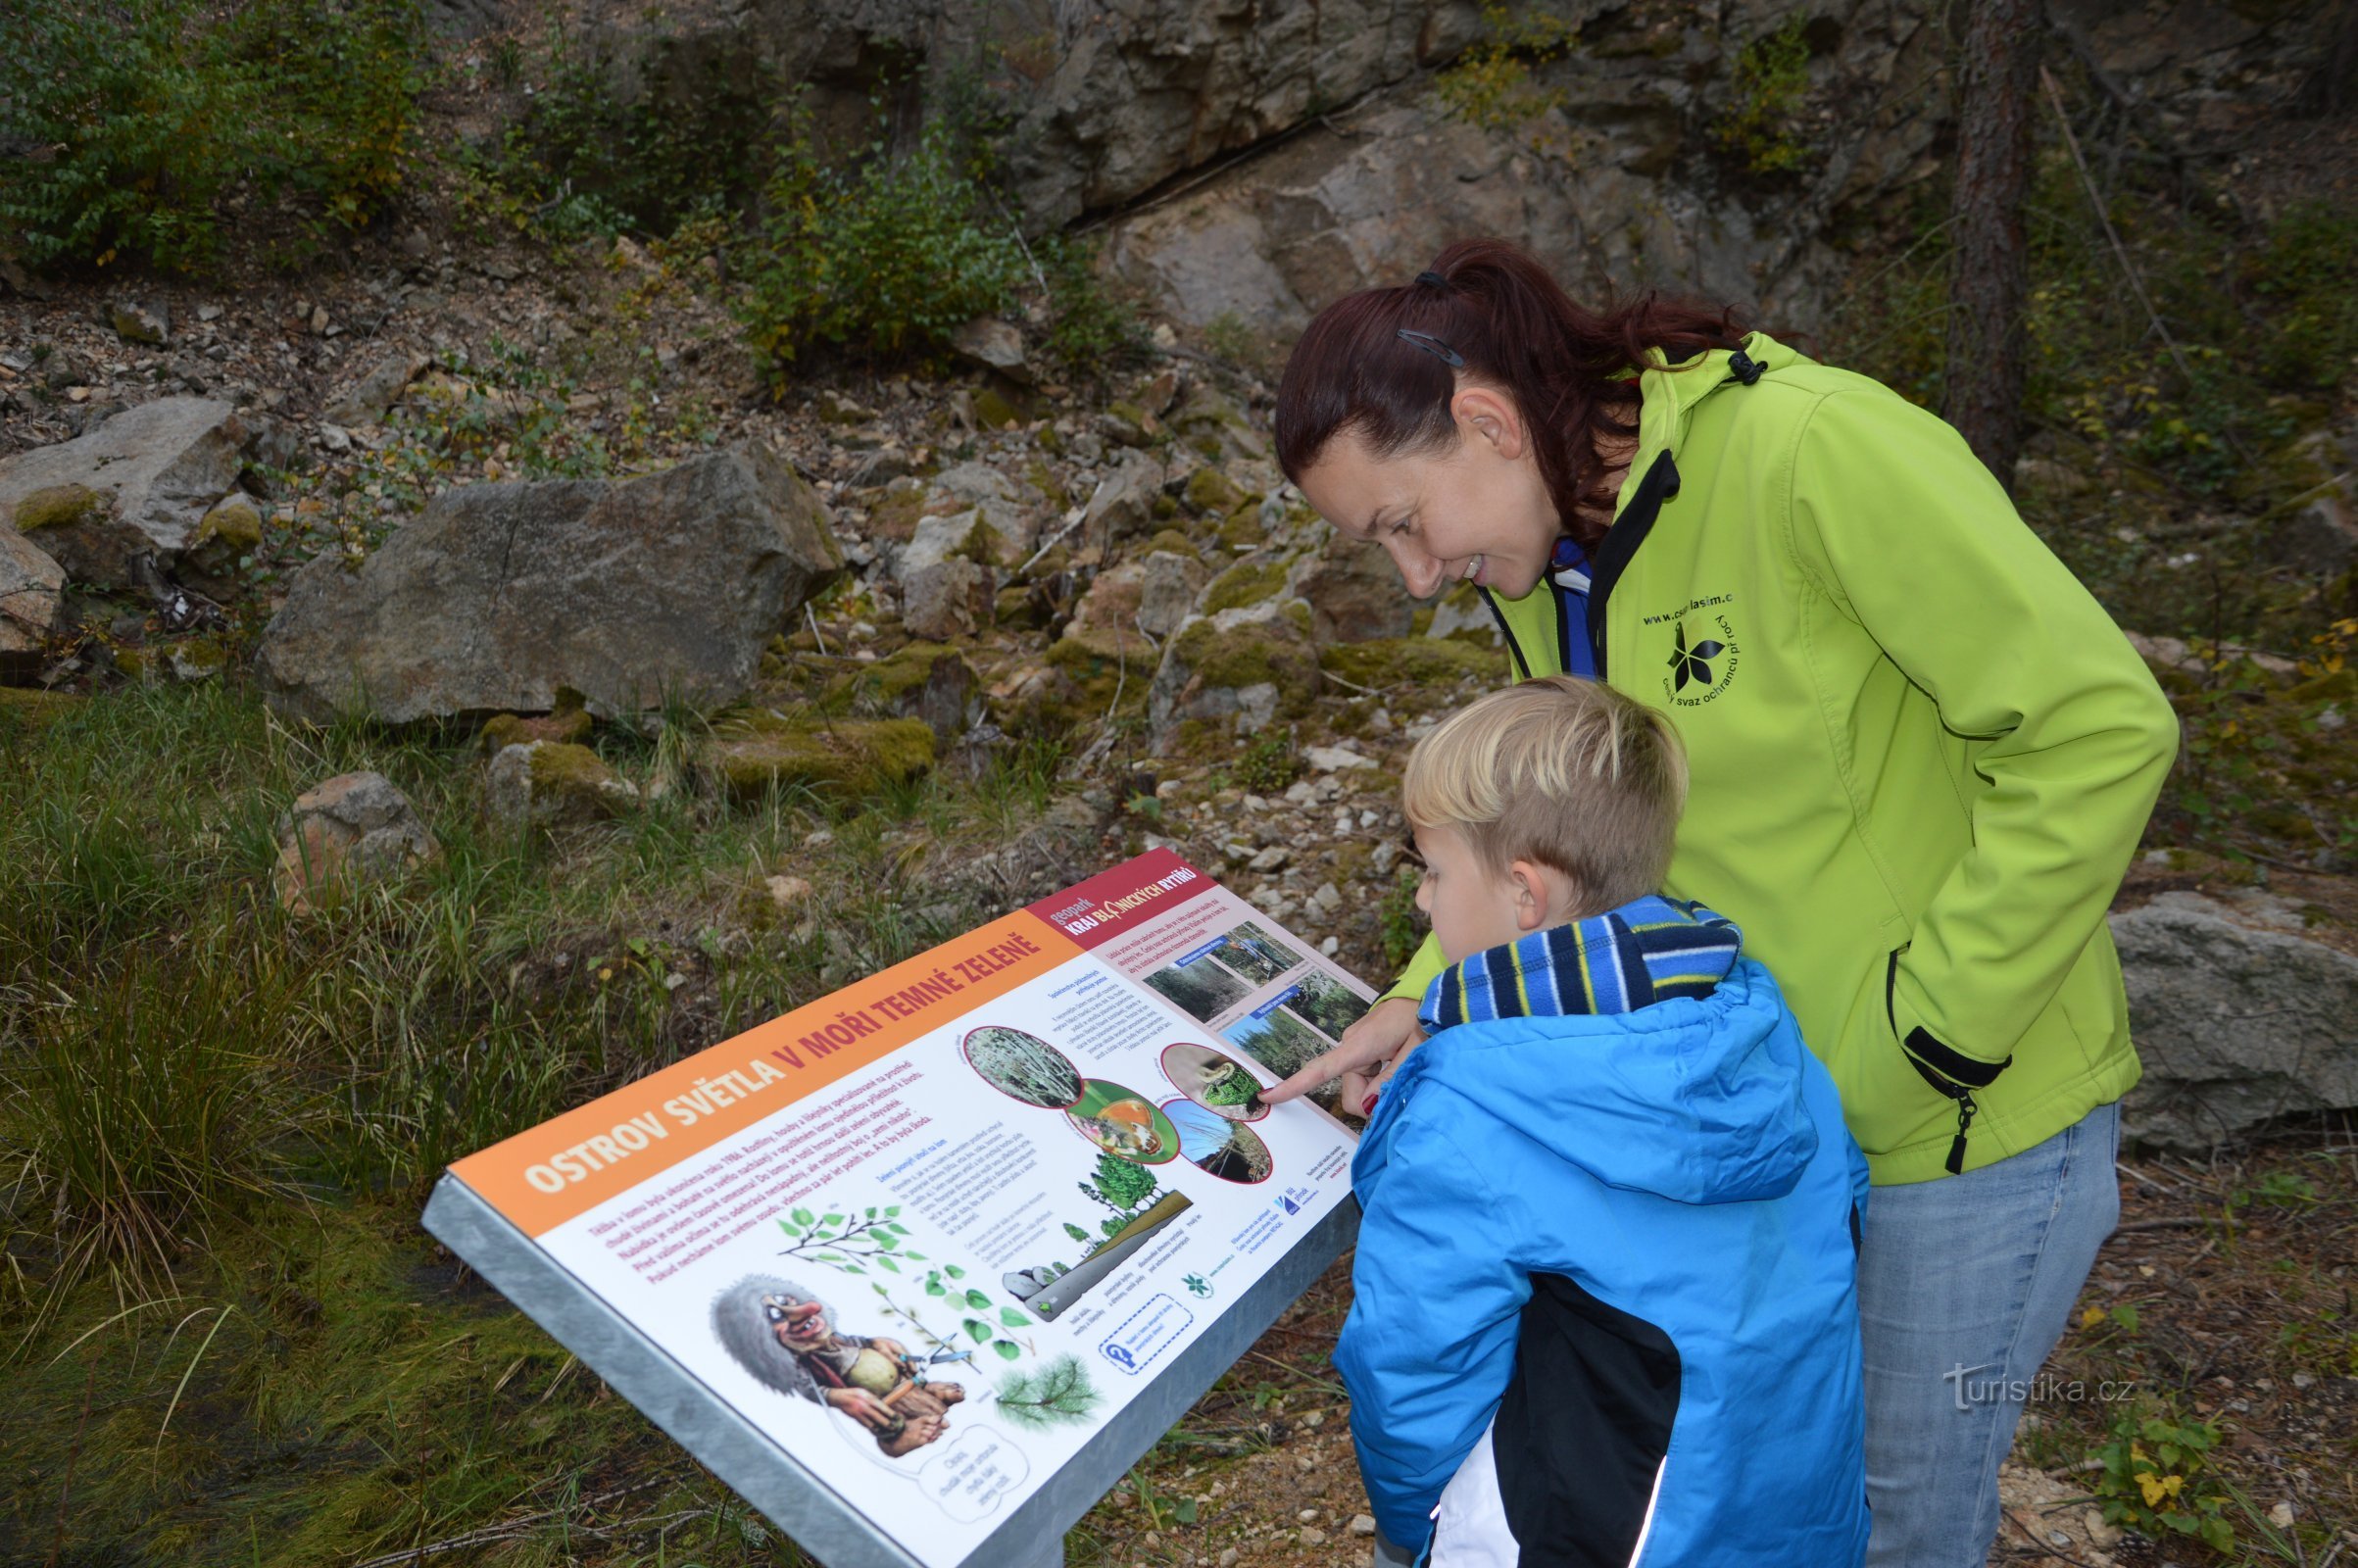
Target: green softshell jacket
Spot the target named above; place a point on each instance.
(1922, 754)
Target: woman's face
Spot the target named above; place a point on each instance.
(1477, 511)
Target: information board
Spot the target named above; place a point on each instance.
(922, 1269)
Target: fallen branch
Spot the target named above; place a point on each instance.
(2087, 183)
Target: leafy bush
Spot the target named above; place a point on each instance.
(1759, 126)
(888, 256)
(145, 121)
(1089, 330)
(1491, 83)
(2157, 1479)
(590, 160)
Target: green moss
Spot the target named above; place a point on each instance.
(1411, 660)
(1041, 477)
(1164, 509)
(235, 524)
(993, 411)
(1212, 493)
(1247, 655)
(895, 516)
(26, 711)
(1421, 623)
(57, 505)
(846, 758)
(888, 685)
(564, 727)
(1177, 543)
(1243, 530)
(1242, 584)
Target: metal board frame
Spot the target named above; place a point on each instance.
(768, 1475)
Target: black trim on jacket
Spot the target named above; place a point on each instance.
(1621, 542)
(1583, 1428)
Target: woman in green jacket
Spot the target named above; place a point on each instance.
(1921, 755)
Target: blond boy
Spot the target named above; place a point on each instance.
(1605, 1307)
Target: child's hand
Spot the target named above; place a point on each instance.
(1384, 1033)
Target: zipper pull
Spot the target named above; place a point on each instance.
(1956, 1151)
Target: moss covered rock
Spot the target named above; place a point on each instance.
(569, 725)
(57, 505)
(1242, 584)
(1104, 624)
(549, 784)
(1415, 661)
(1213, 494)
(1248, 666)
(924, 681)
(843, 759)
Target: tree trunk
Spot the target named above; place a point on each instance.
(1989, 274)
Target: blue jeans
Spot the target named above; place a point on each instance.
(1964, 1286)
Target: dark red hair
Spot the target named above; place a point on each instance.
(1495, 306)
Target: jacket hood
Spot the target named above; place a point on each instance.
(1669, 396)
(1697, 1100)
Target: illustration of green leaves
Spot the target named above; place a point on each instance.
(1012, 1318)
(887, 1262)
(805, 1219)
(953, 1271)
(978, 1331)
(1007, 1349)
(978, 1300)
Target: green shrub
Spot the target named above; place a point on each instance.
(148, 121)
(587, 161)
(888, 256)
(1759, 127)
(1491, 83)
(2157, 1479)
(1089, 331)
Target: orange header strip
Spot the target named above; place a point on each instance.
(572, 1163)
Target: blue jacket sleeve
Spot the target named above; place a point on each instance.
(1430, 1341)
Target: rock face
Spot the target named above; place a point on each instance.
(355, 828)
(114, 505)
(2237, 1023)
(32, 590)
(498, 595)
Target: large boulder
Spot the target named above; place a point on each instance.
(498, 595)
(117, 505)
(2238, 1020)
(32, 590)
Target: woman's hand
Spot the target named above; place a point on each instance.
(1386, 1032)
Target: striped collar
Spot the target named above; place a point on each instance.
(1649, 949)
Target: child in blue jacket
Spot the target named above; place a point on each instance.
(1606, 1310)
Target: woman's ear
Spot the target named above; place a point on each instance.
(1492, 414)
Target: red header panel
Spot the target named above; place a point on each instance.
(1110, 903)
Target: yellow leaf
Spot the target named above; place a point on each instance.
(2152, 1489)
(2091, 1317)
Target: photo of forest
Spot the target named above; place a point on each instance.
(1326, 1004)
(1203, 991)
(1023, 1066)
(1254, 953)
(1280, 1042)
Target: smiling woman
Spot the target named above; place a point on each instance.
(1921, 756)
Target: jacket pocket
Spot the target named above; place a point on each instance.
(1583, 1433)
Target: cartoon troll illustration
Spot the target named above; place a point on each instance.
(786, 1337)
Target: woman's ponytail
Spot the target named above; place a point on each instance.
(1385, 363)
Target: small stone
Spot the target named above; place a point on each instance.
(2281, 1515)
(1335, 759)
(1307, 1517)
(1328, 896)
(786, 891)
(352, 826)
(335, 438)
(547, 784)
(1384, 858)
(1331, 946)
(319, 318)
(1362, 1523)
(1272, 859)
(140, 321)
(1312, 1536)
